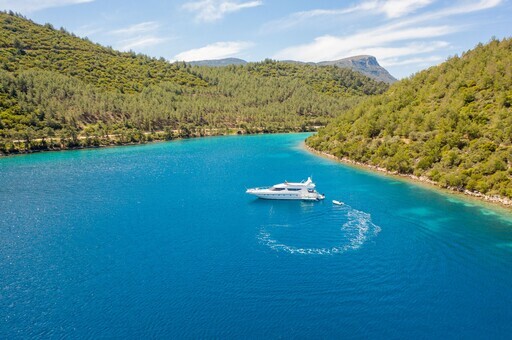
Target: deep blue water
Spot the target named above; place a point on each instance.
(162, 241)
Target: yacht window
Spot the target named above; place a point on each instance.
(293, 189)
(311, 190)
(277, 189)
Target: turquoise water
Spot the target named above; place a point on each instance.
(162, 241)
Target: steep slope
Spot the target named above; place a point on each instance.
(57, 91)
(365, 64)
(25, 45)
(451, 123)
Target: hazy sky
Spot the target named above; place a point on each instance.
(405, 35)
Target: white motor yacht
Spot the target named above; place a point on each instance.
(304, 190)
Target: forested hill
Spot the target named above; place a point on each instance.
(25, 45)
(365, 64)
(451, 123)
(59, 91)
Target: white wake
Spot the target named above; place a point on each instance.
(357, 230)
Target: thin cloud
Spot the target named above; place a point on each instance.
(296, 18)
(138, 36)
(394, 43)
(214, 10)
(218, 50)
(391, 8)
(140, 42)
(388, 53)
(331, 47)
(412, 61)
(142, 27)
(399, 8)
(88, 30)
(27, 6)
(469, 7)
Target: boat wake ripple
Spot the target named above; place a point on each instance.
(356, 229)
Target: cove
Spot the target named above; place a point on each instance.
(161, 241)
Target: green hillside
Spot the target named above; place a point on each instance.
(58, 91)
(451, 123)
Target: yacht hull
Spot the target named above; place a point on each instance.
(274, 196)
(278, 197)
(303, 191)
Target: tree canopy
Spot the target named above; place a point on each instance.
(451, 123)
(58, 90)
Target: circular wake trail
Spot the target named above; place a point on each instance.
(357, 229)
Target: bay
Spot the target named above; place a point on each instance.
(161, 241)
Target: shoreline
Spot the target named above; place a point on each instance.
(76, 148)
(158, 137)
(109, 142)
(113, 143)
(494, 200)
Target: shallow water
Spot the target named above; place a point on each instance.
(161, 240)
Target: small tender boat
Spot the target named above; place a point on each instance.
(304, 191)
(337, 202)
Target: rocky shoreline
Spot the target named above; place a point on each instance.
(505, 202)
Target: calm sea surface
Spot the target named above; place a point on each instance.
(162, 241)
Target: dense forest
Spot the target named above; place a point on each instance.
(451, 123)
(60, 91)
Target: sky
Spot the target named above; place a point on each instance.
(405, 36)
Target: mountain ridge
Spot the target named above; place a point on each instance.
(365, 64)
